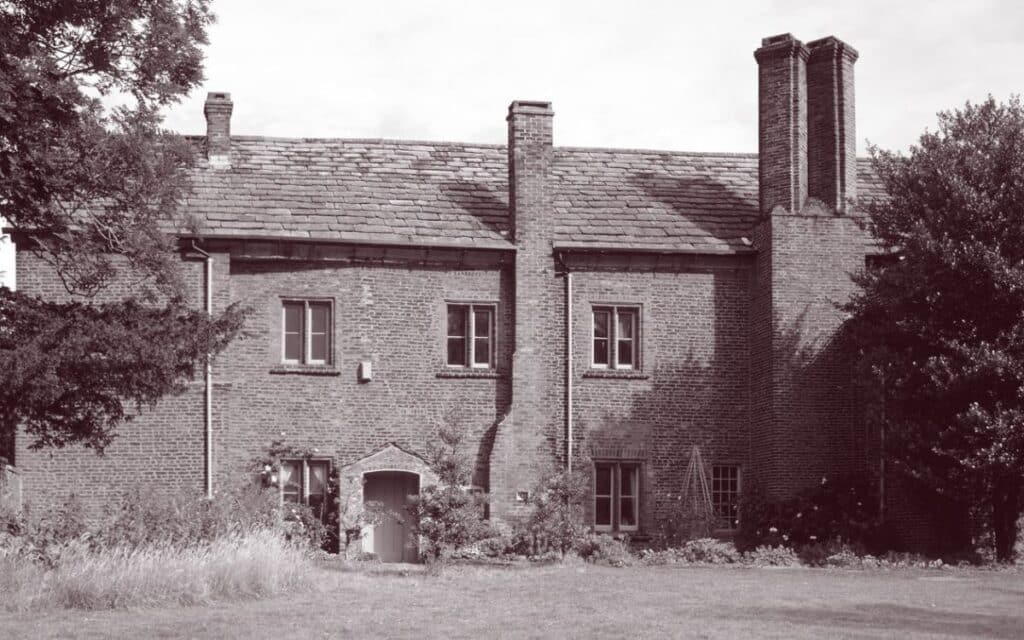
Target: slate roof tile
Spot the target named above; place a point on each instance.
(439, 192)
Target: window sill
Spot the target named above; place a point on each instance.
(305, 370)
(621, 374)
(470, 373)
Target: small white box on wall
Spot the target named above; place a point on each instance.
(365, 371)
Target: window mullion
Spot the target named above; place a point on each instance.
(613, 332)
(471, 331)
(616, 496)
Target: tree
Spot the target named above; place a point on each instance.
(941, 324)
(95, 189)
(448, 515)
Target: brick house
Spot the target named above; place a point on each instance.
(614, 307)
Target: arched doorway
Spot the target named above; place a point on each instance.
(392, 541)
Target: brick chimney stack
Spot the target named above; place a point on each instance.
(782, 123)
(218, 128)
(832, 138)
(530, 437)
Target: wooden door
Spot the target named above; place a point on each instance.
(392, 541)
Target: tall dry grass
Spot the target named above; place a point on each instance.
(254, 563)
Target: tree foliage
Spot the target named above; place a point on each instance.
(941, 324)
(93, 190)
(448, 515)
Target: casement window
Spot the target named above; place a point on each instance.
(616, 338)
(616, 496)
(470, 336)
(306, 332)
(306, 482)
(725, 495)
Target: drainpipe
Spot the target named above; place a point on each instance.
(568, 369)
(208, 409)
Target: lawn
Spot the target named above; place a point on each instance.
(582, 600)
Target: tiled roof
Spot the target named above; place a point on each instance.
(451, 193)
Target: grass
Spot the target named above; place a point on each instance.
(583, 600)
(256, 563)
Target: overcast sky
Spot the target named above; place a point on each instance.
(661, 75)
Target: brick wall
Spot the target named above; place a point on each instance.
(393, 315)
(807, 419)
(692, 386)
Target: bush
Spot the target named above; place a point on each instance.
(447, 516)
(766, 556)
(841, 509)
(606, 550)
(709, 551)
(556, 521)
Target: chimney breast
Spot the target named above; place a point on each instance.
(218, 128)
(782, 123)
(832, 137)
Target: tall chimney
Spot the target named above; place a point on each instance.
(782, 123)
(218, 128)
(832, 138)
(526, 442)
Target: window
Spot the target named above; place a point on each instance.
(305, 482)
(616, 337)
(470, 336)
(616, 496)
(306, 329)
(725, 495)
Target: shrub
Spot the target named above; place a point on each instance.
(449, 515)
(556, 521)
(710, 551)
(765, 556)
(684, 522)
(606, 550)
(841, 509)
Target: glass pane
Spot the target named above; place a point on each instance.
(318, 347)
(457, 351)
(317, 479)
(627, 513)
(482, 350)
(457, 320)
(603, 481)
(291, 481)
(603, 511)
(601, 351)
(628, 481)
(482, 322)
(600, 324)
(625, 353)
(293, 331)
(625, 329)
(319, 316)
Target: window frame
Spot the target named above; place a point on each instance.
(613, 338)
(726, 522)
(470, 338)
(303, 466)
(616, 496)
(306, 332)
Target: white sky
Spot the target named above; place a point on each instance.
(662, 75)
